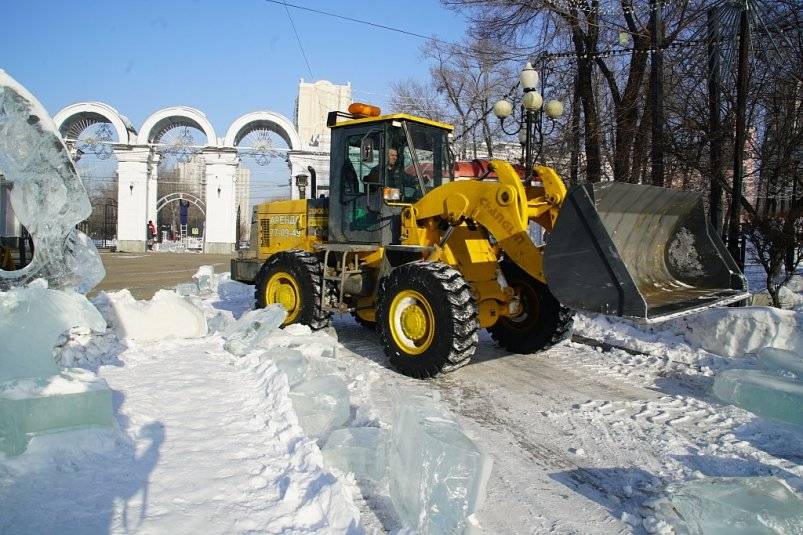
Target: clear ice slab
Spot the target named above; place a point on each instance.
(73, 398)
(438, 475)
(291, 362)
(782, 361)
(47, 195)
(206, 279)
(762, 393)
(254, 327)
(735, 506)
(321, 404)
(187, 289)
(36, 397)
(359, 450)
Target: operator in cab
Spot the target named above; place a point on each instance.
(396, 177)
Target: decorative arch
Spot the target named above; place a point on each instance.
(89, 113)
(177, 196)
(259, 120)
(166, 118)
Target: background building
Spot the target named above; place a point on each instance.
(315, 101)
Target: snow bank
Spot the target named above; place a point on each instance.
(167, 315)
(736, 331)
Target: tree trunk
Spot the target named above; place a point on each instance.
(640, 144)
(627, 115)
(574, 140)
(592, 134)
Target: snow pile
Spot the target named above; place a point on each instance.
(735, 331)
(167, 315)
(790, 295)
(732, 505)
(82, 347)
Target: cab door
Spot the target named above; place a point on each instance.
(361, 185)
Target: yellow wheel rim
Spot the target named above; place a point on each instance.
(412, 323)
(282, 288)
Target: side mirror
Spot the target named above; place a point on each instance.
(367, 150)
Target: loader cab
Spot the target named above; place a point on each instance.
(378, 165)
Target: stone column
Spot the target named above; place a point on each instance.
(132, 197)
(220, 230)
(153, 183)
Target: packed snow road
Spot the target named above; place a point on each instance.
(583, 441)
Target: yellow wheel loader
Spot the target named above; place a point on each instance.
(428, 251)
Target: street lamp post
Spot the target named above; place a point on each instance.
(301, 183)
(532, 111)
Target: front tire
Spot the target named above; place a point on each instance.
(543, 323)
(293, 279)
(428, 319)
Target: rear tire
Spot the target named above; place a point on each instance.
(428, 319)
(543, 323)
(295, 278)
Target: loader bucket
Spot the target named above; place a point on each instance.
(638, 251)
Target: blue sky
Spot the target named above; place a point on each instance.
(224, 58)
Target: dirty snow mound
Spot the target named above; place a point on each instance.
(167, 315)
(736, 331)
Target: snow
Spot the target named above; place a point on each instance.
(209, 443)
(581, 440)
(167, 315)
(733, 332)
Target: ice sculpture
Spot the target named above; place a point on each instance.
(782, 361)
(735, 506)
(437, 474)
(762, 393)
(291, 362)
(321, 404)
(359, 450)
(248, 332)
(166, 315)
(35, 395)
(46, 194)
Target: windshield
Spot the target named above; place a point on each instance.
(423, 159)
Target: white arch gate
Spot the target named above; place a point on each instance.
(138, 155)
(180, 196)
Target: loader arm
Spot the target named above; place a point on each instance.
(504, 207)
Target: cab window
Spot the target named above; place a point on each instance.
(363, 156)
